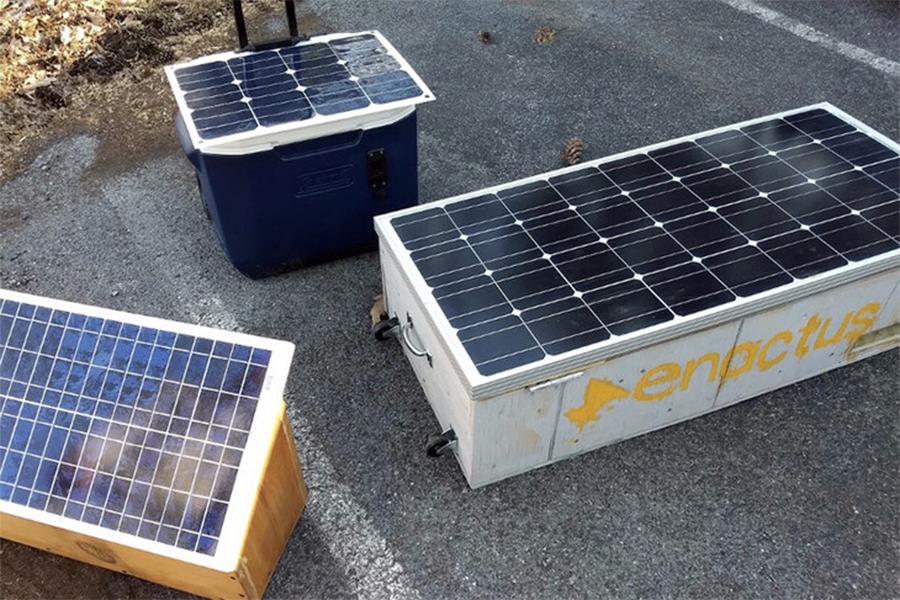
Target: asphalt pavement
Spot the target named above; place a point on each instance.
(794, 493)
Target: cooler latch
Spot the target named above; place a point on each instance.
(376, 166)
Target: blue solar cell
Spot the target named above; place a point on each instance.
(293, 84)
(330, 98)
(389, 87)
(177, 365)
(109, 423)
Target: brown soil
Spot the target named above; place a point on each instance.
(146, 41)
(118, 91)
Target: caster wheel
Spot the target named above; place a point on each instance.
(385, 329)
(439, 444)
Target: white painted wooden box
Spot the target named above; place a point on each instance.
(630, 383)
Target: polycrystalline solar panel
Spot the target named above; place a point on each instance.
(137, 428)
(573, 259)
(330, 76)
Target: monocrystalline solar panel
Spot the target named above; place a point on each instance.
(123, 422)
(568, 260)
(237, 93)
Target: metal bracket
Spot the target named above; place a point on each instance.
(376, 167)
(439, 444)
(554, 382)
(386, 328)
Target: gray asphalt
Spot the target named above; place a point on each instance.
(791, 494)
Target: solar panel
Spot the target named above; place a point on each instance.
(134, 425)
(583, 256)
(326, 78)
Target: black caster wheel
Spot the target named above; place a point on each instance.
(439, 444)
(385, 329)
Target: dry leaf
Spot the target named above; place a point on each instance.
(545, 35)
(50, 35)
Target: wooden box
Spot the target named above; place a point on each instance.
(267, 498)
(507, 420)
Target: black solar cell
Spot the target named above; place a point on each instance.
(556, 264)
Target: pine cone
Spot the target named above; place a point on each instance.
(544, 35)
(377, 312)
(574, 151)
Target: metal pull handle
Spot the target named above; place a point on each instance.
(405, 330)
(289, 11)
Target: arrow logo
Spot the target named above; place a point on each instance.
(598, 394)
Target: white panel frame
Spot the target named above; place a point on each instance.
(267, 137)
(253, 458)
(481, 387)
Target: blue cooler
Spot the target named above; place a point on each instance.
(297, 146)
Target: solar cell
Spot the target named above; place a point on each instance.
(328, 76)
(566, 260)
(135, 425)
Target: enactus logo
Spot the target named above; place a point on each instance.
(760, 355)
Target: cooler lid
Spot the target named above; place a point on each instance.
(241, 102)
(533, 279)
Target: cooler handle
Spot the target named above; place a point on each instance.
(291, 14)
(345, 141)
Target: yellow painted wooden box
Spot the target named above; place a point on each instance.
(267, 493)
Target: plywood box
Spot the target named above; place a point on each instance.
(803, 203)
(279, 502)
(175, 464)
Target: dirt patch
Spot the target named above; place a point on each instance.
(39, 39)
(49, 96)
(10, 216)
(44, 40)
(117, 91)
(119, 49)
(145, 40)
(14, 273)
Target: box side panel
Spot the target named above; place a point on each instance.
(677, 380)
(642, 390)
(780, 346)
(514, 431)
(890, 312)
(280, 501)
(116, 557)
(875, 342)
(884, 335)
(886, 332)
(443, 387)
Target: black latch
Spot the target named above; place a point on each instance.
(376, 166)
